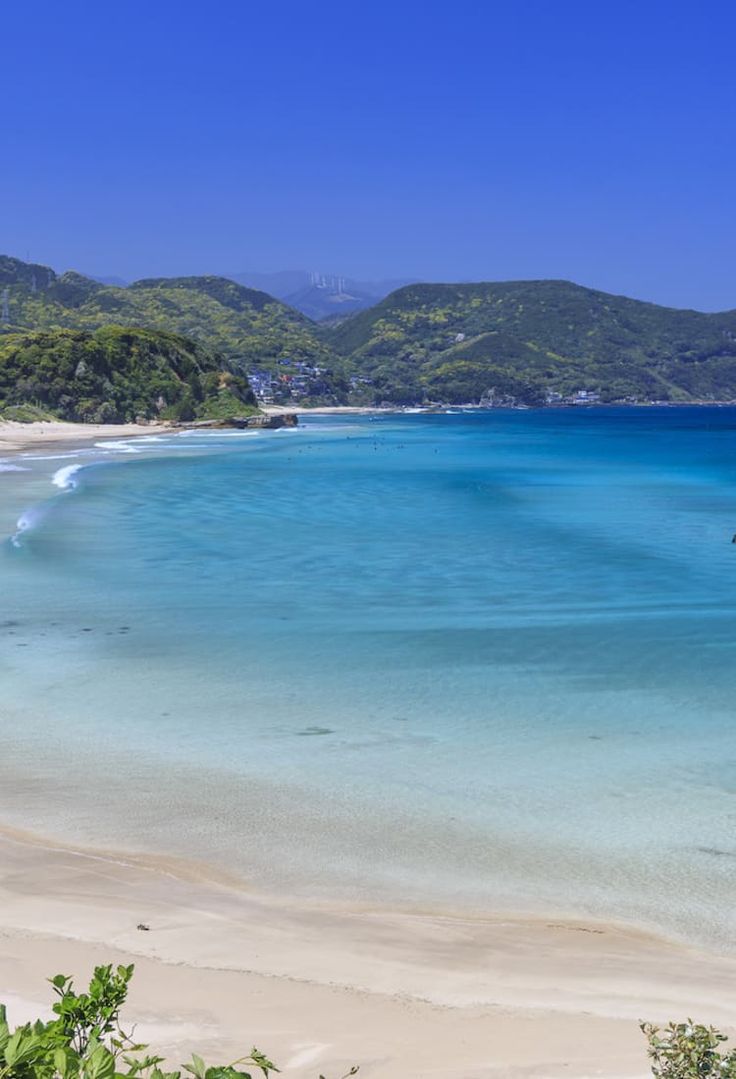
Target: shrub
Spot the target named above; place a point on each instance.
(688, 1051)
(86, 1041)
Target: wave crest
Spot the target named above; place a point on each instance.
(26, 523)
(65, 477)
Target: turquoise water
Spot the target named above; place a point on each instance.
(479, 660)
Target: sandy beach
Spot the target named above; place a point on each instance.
(402, 993)
(16, 436)
(22, 436)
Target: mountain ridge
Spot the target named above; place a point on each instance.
(249, 327)
(535, 342)
(320, 295)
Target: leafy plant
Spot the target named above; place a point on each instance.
(688, 1051)
(86, 1041)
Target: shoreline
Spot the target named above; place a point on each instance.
(329, 410)
(15, 437)
(322, 985)
(371, 985)
(402, 410)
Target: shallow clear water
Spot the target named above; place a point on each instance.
(476, 659)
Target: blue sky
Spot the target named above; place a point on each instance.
(453, 141)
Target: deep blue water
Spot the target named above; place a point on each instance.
(479, 659)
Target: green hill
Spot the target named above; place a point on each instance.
(534, 339)
(526, 341)
(250, 328)
(116, 375)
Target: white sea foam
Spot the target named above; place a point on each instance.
(25, 523)
(52, 456)
(64, 477)
(318, 429)
(218, 434)
(119, 447)
(4, 467)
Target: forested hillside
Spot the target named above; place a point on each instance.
(247, 326)
(116, 375)
(534, 340)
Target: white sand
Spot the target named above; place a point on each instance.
(19, 436)
(404, 994)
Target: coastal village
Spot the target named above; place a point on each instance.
(294, 380)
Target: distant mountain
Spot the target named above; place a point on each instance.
(319, 295)
(535, 341)
(116, 375)
(280, 284)
(319, 303)
(248, 327)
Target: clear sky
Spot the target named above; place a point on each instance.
(446, 141)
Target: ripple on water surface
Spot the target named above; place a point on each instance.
(482, 659)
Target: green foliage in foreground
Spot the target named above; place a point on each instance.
(85, 1040)
(689, 1051)
(116, 375)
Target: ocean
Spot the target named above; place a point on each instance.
(478, 660)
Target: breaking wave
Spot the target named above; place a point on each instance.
(27, 521)
(65, 477)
